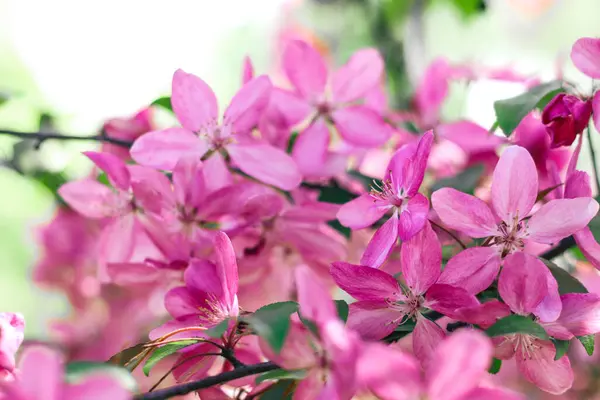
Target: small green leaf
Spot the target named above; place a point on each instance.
(510, 112)
(516, 324)
(465, 182)
(164, 102)
(543, 193)
(342, 309)
(292, 142)
(280, 374)
(165, 351)
(282, 390)
(495, 367)
(272, 322)
(218, 330)
(588, 343)
(75, 371)
(578, 254)
(469, 8)
(561, 346)
(567, 283)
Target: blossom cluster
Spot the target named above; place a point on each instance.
(215, 245)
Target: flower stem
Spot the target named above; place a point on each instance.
(189, 387)
(40, 137)
(594, 162)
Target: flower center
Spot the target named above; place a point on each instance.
(526, 344)
(510, 236)
(410, 308)
(385, 191)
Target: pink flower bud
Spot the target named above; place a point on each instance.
(565, 117)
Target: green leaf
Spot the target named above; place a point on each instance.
(495, 367)
(75, 371)
(165, 351)
(561, 346)
(578, 254)
(588, 343)
(272, 322)
(510, 112)
(292, 142)
(280, 374)
(469, 8)
(219, 330)
(282, 390)
(516, 324)
(164, 102)
(567, 283)
(342, 309)
(543, 193)
(466, 181)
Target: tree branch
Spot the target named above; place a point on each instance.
(562, 246)
(185, 388)
(42, 136)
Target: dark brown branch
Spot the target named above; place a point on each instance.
(189, 387)
(40, 137)
(558, 250)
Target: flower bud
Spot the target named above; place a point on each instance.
(565, 117)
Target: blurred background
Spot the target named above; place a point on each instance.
(68, 66)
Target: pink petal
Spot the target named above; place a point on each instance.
(550, 307)
(486, 393)
(459, 364)
(361, 126)
(98, 386)
(464, 213)
(365, 283)
(41, 373)
(247, 70)
(115, 169)
(162, 149)
(448, 299)
(314, 299)
(180, 302)
(281, 170)
(305, 68)
(421, 260)
(91, 199)
(515, 184)
(470, 137)
(580, 313)
(247, 105)
(127, 274)
(287, 108)
(432, 90)
(585, 54)
(216, 173)
(227, 266)
(419, 163)
(522, 283)
(362, 212)
(152, 190)
(560, 218)
(381, 243)
(400, 168)
(193, 365)
(541, 369)
(588, 246)
(193, 101)
(117, 243)
(578, 185)
(426, 337)
(473, 269)
(358, 76)
(413, 217)
(188, 181)
(484, 315)
(310, 149)
(596, 110)
(389, 373)
(312, 386)
(373, 320)
(205, 283)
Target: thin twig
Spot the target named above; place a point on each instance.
(188, 387)
(593, 155)
(43, 136)
(464, 247)
(179, 364)
(562, 246)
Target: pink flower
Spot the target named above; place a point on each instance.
(126, 129)
(209, 296)
(585, 54)
(514, 191)
(565, 117)
(331, 97)
(41, 377)
(383, 304)
(399, 192)
(201, 135)
(329, 359)
(11, 337)
(457, 369)
(98, 201)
